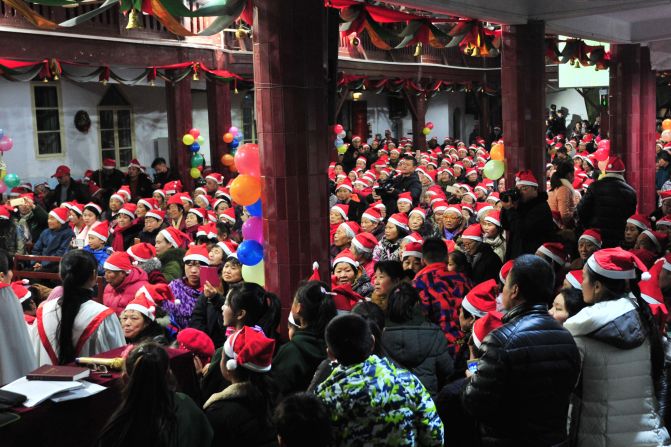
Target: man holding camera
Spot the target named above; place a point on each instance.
(407, 181)
(526, 215)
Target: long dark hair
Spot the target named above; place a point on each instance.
(262, 308)
(317, 306)
(146, 416)
(262, 392)
(77, 267)
(564, 169)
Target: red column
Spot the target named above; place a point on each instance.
(523, 98)
(179, 105)
(219, 121)
(290, 84)
(632, 103)
(417, 105)
(483, 123)
(360, 119)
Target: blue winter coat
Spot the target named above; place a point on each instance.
(101, 256)
(53, 243)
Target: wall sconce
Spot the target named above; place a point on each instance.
(356, 96)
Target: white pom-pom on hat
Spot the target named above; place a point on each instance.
(646, 276)
(231, 364)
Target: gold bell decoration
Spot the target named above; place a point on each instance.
(195, 73)
(418, 49)
(240, 33)
(133, 20)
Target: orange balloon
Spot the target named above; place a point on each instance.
(227, 160)
(228, 137)
(497, 152)
(233, 168)
(666, 124)
(246, 190)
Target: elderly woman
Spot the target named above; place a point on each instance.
(343, 236)
(485, 264)
(347, 271)
(453, 222)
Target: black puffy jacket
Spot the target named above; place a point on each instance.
(529, 225)
(607, 205)
(527, 371)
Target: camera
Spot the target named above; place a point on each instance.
(510, 195)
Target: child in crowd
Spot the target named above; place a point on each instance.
(97, 244)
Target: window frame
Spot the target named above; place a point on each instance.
(117, 157)
(61, 120)
(253, 138)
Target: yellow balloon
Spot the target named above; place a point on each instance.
(254, 273)
(195, 173)
(188, 139)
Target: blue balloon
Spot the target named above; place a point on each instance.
(339, 142)
(250, 253)
(234, 144)
(195, 147)
(255, 209)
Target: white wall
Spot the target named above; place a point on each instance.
(570, 99)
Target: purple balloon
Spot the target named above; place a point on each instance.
(252, 230)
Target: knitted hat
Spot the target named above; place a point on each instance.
(156, 214)
(615, 165)
(350, 228)
(341, 209)
(249, 348)
(173, 236)
(372, 214)
(413, 249)
(616, 263)
(505, 269)
(100, 230)
(20, 290)
(400, 220)
(119, 261)
(404, 197)
(555, 251)
(365, 242)
(483, 326)
(593, 236)
(197, 253)
(149, 203)
(494, 217)
(196, 341)
(142, 252)
(128, 209)
(473, 232)
(347, 257)
(574, 277)
(60, 214)
(481, 299)
(216, 177)
(526, 178)
(640, 221)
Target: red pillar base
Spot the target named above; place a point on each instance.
(632, 103)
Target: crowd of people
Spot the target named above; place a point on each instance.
(459, 310)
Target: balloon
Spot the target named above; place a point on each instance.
(339, 128)
(239, 136)
(342, 149)
(254, 273)
(188, 139)
(255, 209)
(12, 180)
(195, 172)
(252, 230)
(250, 253)
(234, 144)
(3, 187)
(195, 147)
(426, 131)
(197, 160)
(342, 134)
(247, 160)
(228, 137)
(601, 154)
(227, 160)
(200, 140)
(246, 189)
(603, 144)
(195, 133)
(6, 144)
(200, 168)
(232, 168)
(494, 169)
(429, 125)
(339, 142)
(497, 152)
(666, 124)
(232, 130)
(666, 136)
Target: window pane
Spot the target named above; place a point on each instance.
(108, 153)
(46, 96)
(107, 139)
(47, 119)
(106, 119)
(123, 119)
(125, 156)
(124, 138)
(49, 143)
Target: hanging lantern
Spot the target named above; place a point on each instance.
(133, 20)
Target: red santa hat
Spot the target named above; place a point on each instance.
(125, 192)
(4, 213)
(228, 246)
(404, 197)
(141, 252)
(128, 209)
(593, 236)
(473, 232)
(109, 163)
(118, 196)
(471, 171)
(156, 214)
(341, 209)
(345, 298)
(196, 342)
(372, 214)
(346, 184)
(379, 205)
(481, 299)
(574, 277)
(485, 325)
(658, 238)
(148, 296)
(173, 187)
(414, 237)
(185, 197)
(150, 203)
(419, 211)
(413, 249)
(616, 263)
(526, 178)
(250, 349)
(119, 261)
(615, 165)
(555, 251)
(665, 195)
(20, 290)
(505, 269)
(365, 242)
(60, 214)
(100, 230)
(494, 217)
(347, 257)
(493, 197)
(483, 208)
(400, 220)
(134, 163)
(160, 192)
(173, 236)
(197, 253)
(228, 215)
(75, 207)
(455, 209)
(664, 222)
(640, 221)
(350, 228)
(216, 177)
(200, 212)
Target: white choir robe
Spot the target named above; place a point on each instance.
(17, 357)
(96, 329)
